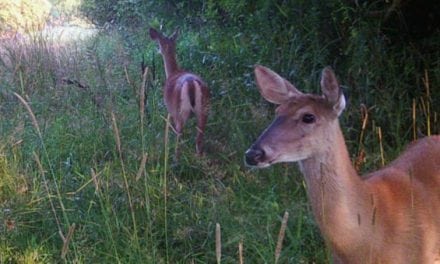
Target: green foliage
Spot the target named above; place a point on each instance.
(86, 172)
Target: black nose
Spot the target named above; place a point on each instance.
(254, 156)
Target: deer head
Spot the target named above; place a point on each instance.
(302, 123)
(167, 45)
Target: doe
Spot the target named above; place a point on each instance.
(388, 216)
(184, 92)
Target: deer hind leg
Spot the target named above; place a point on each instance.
(179, 123)
(202, 117)
(201, 124)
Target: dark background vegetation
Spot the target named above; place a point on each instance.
(77, 163)
(366, 42)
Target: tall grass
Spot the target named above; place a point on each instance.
(86, 171)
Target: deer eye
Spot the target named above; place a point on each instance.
(308, 118)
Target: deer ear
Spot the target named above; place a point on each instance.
(175, 34)
(331, 90)
(273, 87)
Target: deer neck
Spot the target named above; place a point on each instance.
(170, 62)
(337, 194)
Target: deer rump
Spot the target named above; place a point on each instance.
(184, 94)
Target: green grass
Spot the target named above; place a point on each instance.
(78, 163)
(62, 169)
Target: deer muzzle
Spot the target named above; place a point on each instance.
(254, 156)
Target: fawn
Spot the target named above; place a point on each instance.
(184, 92)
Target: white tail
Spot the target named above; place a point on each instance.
(388, 216)
(184, 92)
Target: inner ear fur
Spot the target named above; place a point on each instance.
(331, 90)
(273, 87)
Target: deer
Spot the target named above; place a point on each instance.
(184, 92)
(391, 215)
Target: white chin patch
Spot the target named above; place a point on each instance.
(289, 158)
(262, 165)
(259, 165)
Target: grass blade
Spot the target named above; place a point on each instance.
(281, 236)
